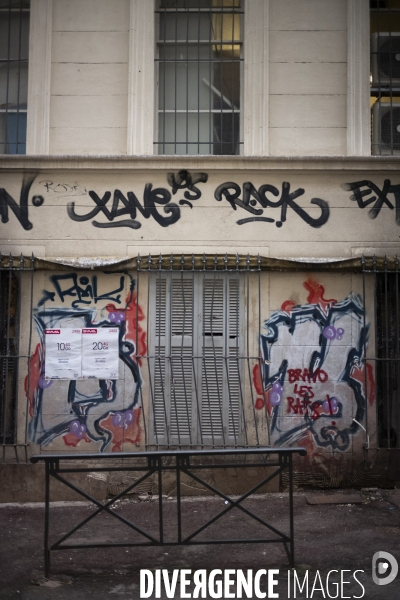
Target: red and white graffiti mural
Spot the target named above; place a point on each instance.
(311, 378)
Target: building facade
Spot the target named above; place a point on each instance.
(203, 178)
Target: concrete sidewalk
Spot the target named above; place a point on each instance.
(329, 536)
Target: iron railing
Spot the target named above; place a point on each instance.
(385, 360)
(12, 283)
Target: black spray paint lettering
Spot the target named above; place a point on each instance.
(130, 206)
(185, 180)
(85, 291)
(152, 198)
(21, 210)
(251, 197)
(381, 199)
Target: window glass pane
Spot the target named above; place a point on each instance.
(185, 26)
(14, 35)
(13, 84)
(13, 132)
(207, 87)
(186, 133)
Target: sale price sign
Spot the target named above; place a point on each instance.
(100, 352)
(63, 353)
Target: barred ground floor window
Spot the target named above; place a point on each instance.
(214, 352)
(197, 358)
(9, 333)
(387, 291)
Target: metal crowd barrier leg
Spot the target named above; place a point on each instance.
(47, 522)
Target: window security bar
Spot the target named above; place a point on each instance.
(199, 77)
(200, 362)
(386, 358)
(11, 285)
(202, 321)
(14, 51)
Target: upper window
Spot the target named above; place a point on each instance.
(385, 76)
(14, 50)
(199, 76)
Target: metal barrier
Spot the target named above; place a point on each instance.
(182, 462)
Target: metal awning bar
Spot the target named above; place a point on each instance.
(165, 454)
(203, 262)
(217, 10)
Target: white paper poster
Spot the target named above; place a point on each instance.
(100, 352)
(63, 354)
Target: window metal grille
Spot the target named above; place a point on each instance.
(11, 285)
(204, 320)
(9, 293)
(388, 354)
(386, 285)
(199, 76)
(385, 76)
(14, 51)
(200, 361)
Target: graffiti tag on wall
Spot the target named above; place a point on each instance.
(86, 290)
(120, 208)
(105, 412)
(311, 375)
(125, 209)
(250, 197)
(363, 194)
